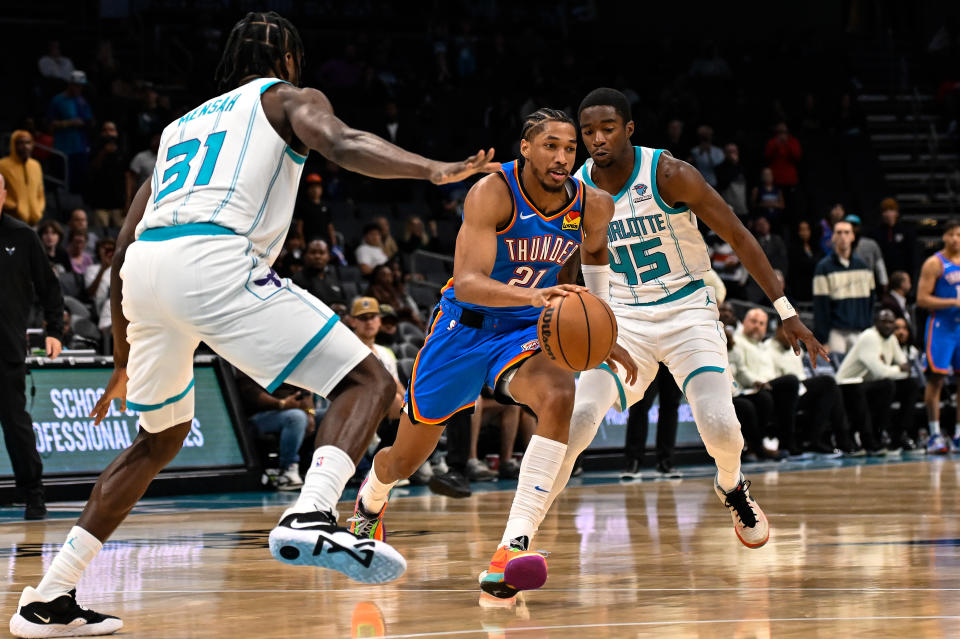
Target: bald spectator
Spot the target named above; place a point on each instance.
(874, 374)
(843, 293)
(897, 240)
(755, 371)
(24, 179)
(79, 224)
(318, 277)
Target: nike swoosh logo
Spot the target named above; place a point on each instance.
(540, 489)
(44, 620)
(527, 217)
(301, 526)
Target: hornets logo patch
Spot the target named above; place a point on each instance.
(571, 221)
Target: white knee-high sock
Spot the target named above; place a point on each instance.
(374, 493)
(329, 473)
(538, 470)
(69, 564)
(712, 404)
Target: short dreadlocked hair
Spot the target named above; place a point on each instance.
(256, 47)
(534, 123)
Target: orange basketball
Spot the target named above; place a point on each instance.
(578, 333)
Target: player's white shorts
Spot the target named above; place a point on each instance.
(685, 334)
(184, 290)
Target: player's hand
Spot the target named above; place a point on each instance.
(53, 347)
(481, 162)
(619, 355)
(116, 389)
(796, 331)
(548, 296)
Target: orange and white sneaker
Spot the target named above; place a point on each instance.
(749, 522)
(512, 569)
(365, 525)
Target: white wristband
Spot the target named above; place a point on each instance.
(596, 277)
(784, 308)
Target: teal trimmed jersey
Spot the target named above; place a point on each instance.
(657, 253)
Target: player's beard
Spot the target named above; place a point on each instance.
(548, 184)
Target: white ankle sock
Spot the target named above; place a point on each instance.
(329, 472)
(374, 493)
(934, 427)
(541, 463)
(69, 564)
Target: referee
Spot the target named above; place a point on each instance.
(24, 270)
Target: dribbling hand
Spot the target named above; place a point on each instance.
(619, 355)
(795, 331)
(481, 162)
(116, 389)
(546, 296)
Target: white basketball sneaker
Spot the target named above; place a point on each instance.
(749, 522)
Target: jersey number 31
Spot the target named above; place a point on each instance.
(184, 152)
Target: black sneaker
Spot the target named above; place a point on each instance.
(315, 539)
(36, 508)
(668, 470)
(62, 617)
(632, 471)
(450, 484)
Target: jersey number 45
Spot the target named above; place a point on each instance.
(633, 261)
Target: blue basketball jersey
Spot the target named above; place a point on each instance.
(532, 247)
(948, 286)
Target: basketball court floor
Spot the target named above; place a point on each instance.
(858, 549)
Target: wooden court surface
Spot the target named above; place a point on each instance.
(862, 551)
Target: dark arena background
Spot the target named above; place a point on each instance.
(810, 120)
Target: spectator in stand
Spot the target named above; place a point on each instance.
(72, 340)
(388, 244)
(141, 168)
(79, 223)
(706, 156)
(638, 425)
(767, 198)
(776, 251)
(754, 408)
(826, 227)
(915, 358)
(756, 371)
(312, 217)
(54, 65)
(821, 401)
(726, 264)
(675, 141)
(897, 240)
(105, 191)
(24, 179)
(153, 115)
(77, 253)
(783, 154)
(287, 411)
(370, 253)
(873, 375)
(803, 254)
(51, 234)
(387, 290)
(509, 423)
(869, 251)
(843, 293)
(318, 277)
(896, 298)
(388, 335)
(97, 282)
(71, 117)
(416, 237)
(731, 182)
(365, 312)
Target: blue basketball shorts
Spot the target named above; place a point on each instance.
(942, 345)
(457, 360)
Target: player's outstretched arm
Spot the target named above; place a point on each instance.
(680, 183)
(117, 386)
(487, 206)
(311, 116)
(932, 269)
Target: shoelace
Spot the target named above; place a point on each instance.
(365, 526)
(737, 500)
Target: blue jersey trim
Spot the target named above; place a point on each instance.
(623, 394)
(148, 407)
(296, 157)
(162, 233)
(269, 84)
(656, 192)
(702, 369)
(637, 162)
(687, 289)
(302, 354)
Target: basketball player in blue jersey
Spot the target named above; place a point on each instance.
(193, 264)
(939, 292)
(664, 310)
(520, 228)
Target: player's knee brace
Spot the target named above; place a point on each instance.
(712, 405)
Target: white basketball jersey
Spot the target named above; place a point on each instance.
(657, 254)
(224, 164)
